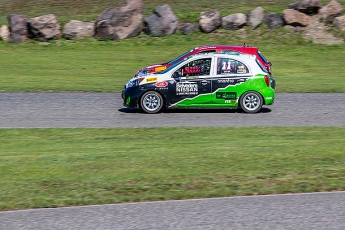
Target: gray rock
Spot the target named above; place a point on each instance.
(161, 22)
(273, 20)
(120, 23)
(339, 22)
(18, 24)
(234, 21)
(209, 20)
(44, 28)
(188, 28)
(78, 29)
(169, 21)
(330, 11)
(296, 18)
(294, 28)
(5, 33)
(306, 6)
(255, 17)
(153, 25)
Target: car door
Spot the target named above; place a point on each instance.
(192, 84)
(226, 84)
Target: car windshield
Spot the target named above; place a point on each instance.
(263, 57)
(178, 58)
(261, 66)
(170, 67)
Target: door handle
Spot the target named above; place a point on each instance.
(204, 82)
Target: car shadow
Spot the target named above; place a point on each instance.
(176, 111)
(130, 110)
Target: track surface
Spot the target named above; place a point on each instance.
(40, 110)
(298, 211)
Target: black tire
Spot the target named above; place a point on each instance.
(251, 102)
(151, 102)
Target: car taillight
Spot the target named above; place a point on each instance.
(267, 80)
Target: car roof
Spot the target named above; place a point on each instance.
(226, 47)
(240, 56)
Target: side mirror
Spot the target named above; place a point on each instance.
(176, 75)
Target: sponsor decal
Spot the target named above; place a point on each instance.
(226, 81)
(242, 80)
(241, 69)
(227, 74)
(230, 101)
(151, 79)
(190, 88)
(226, 95)
(161, 84)
(231, 81)
(160, 68)
(128, 100)
(192, 77)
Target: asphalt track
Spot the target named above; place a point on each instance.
(43, 110)
(292, 211)
(314, 211)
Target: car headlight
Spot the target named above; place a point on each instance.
(132, 83)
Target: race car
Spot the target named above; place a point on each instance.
(210, 80)
(210, 49)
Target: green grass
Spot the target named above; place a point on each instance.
(104, 66)
(64, 167)
(98, 66)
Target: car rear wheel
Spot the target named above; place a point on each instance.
(151, 102)
(251, 102)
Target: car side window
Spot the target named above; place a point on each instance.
(207, 52)
(199, 67)
(230, 66)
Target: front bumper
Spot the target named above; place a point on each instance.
(131, 97)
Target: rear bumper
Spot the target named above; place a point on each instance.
(269, 98)
(273, 82)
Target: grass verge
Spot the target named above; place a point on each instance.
(97, 66)
(64, 167)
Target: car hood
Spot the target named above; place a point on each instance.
(144, 71)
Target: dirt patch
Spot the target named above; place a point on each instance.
(317, 31)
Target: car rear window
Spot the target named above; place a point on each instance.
(263, 57)
(261, 66)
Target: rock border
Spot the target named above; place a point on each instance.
(128, 21)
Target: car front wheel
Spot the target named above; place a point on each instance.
(251, 102)
(151, 102)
